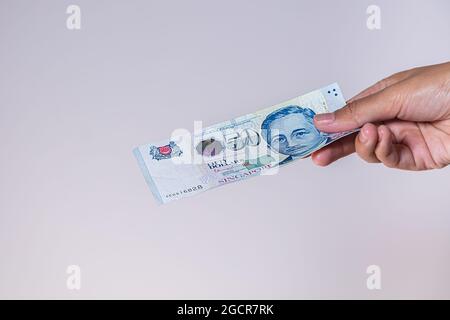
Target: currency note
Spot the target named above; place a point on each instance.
(256, 144)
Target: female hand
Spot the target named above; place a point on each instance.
(404, 120)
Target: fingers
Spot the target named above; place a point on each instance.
(366, 143)
(373, 144)
(386, 151)
(334, 151)
(391, 154)
(379, 144)
(380, 106)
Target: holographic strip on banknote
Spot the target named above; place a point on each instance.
(251, 145)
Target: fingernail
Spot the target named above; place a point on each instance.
(324, 117)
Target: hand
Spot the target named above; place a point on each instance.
(404, 120)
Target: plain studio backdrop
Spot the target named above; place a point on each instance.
(74, 103)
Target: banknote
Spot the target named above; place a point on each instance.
(256, 144)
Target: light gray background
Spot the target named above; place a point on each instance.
(73, 104)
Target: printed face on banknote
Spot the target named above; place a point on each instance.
(291, 131)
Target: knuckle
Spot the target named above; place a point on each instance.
(389, 164)
(383, 157)
(366, 155)
(369, 159)
(352, 112)
(388, 158)
(383, 84)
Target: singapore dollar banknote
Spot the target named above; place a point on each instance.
(255, 144)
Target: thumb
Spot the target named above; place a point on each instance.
(379, 106)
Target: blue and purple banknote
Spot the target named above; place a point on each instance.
(251, 145)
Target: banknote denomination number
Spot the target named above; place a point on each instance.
(235, 141)
(240, 139)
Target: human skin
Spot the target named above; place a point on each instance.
(404, 121)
